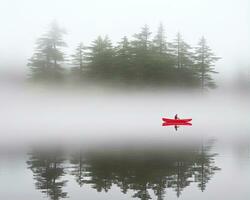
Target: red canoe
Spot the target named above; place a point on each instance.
(167, 120)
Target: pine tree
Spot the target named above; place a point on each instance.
(142, 40)
(123, 50)
(141, 51)
(124, 60)
(204, 62)
(45, 64)
(78, 57)
(163, 60)
(159, 42)
(100, 58)
(182, 52)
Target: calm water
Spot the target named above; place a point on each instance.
(95, 148)
(197, 170)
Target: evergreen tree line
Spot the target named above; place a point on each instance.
(145, 59)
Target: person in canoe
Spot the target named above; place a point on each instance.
(176, 116)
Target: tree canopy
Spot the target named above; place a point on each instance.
(45, 64)
(145, 59)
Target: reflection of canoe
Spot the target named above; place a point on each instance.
(176, 124)
(167, 120)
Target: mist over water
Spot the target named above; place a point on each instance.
(113, 116)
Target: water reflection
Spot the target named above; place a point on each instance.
(139, 171)
(48, 170)
(176, 125)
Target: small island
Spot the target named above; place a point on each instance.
(144, 60)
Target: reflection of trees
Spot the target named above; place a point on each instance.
(77, 169)
(144, 171)
(47, 171)
(140, 171)
(204, 167)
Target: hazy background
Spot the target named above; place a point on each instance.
(225, 24)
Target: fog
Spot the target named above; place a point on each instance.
(224, 23)
(111, 117)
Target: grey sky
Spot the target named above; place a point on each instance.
(225, 24)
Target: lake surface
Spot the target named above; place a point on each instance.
(98, 147)
(195, 171)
